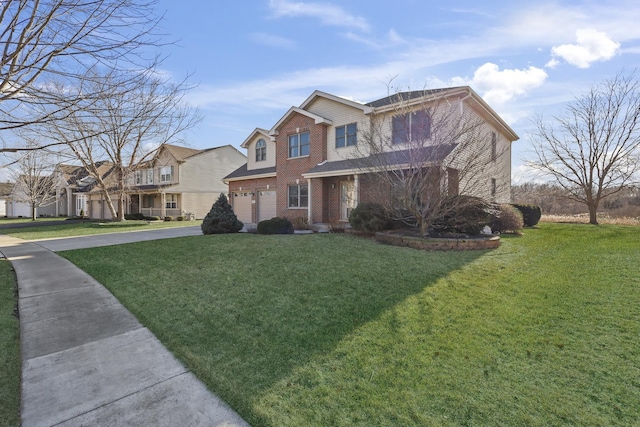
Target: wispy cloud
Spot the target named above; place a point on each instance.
(272, 40)
(327, 13)
(591, 46)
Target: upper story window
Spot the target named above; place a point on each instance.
(346, 135)
(149, 176)
(411, 127)
(138, 177)
(261, 150)
(299, 144)
(166, 173)
(494, 146)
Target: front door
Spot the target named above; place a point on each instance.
(347, 199)
(81, 205)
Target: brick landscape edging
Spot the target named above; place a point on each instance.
(439, 244)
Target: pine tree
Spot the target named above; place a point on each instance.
(221, 218)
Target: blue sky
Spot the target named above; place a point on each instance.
(254, 59)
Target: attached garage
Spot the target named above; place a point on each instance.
(266, 204)
(242, 206)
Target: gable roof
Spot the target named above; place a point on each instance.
(366, 108)
(6, 188)
(180, 153)
(256, 132)
(318, 119)
(408, 96)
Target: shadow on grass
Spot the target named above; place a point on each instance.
(244, 311)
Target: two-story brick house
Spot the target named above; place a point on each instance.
(316, 162)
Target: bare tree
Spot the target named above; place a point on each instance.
(593, 150)
(429, 148)
(45, 40)
(131, 113)
(35, 183)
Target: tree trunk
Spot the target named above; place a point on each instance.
(593, 214)
(33, 211)
(120, 208)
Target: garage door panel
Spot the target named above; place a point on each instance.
(242, 206)
(266, 205)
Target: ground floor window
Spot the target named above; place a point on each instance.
(298, 196)
(147, 201)
(171, 201)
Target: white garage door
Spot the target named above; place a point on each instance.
(242, 206)
(266, 205)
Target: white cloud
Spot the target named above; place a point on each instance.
(591, 46)
(272, 40)
(328, 14)
(498, 87)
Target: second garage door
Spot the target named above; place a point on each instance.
(266, 204)
(242, 206)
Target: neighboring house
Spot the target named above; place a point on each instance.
(311, 163)
(6, 189)
(182, 181)
(77, 193)
(18, 201)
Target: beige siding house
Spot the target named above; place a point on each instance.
(182, 181)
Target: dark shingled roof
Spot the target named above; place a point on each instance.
(427, 154)
(242, 172)
(406, 96)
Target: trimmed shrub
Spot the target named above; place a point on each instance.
(369, 217)
(168, 218)
(180, 218)
(135, 217)
(530, 213)
(221, 219)
(275, 225)
(463, 214)
(506, 218)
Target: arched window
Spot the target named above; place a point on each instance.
(261, 150)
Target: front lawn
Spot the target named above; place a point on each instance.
(10, 367)
(335, 330)
(89, 228)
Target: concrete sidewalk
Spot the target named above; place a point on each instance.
(87, 361)
(82, 242)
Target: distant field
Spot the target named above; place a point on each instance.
(334, 330)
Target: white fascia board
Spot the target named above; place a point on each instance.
(256, 131)
(318, 93)
(244, 178)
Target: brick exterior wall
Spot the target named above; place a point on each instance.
(290, 170)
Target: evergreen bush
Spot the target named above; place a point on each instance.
(275, 225)
(463, 214)
(369, 217)
(530, 213)
(506, 218)
(134, 217)
(221, 218)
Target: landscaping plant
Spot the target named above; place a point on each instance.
(221, 219)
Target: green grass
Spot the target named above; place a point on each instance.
(334, 330)
(89, 228)
(9, 221)
(9, 350)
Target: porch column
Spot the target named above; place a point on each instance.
(356, 188)
(140, 203)
(309, 210)
(163, 206)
